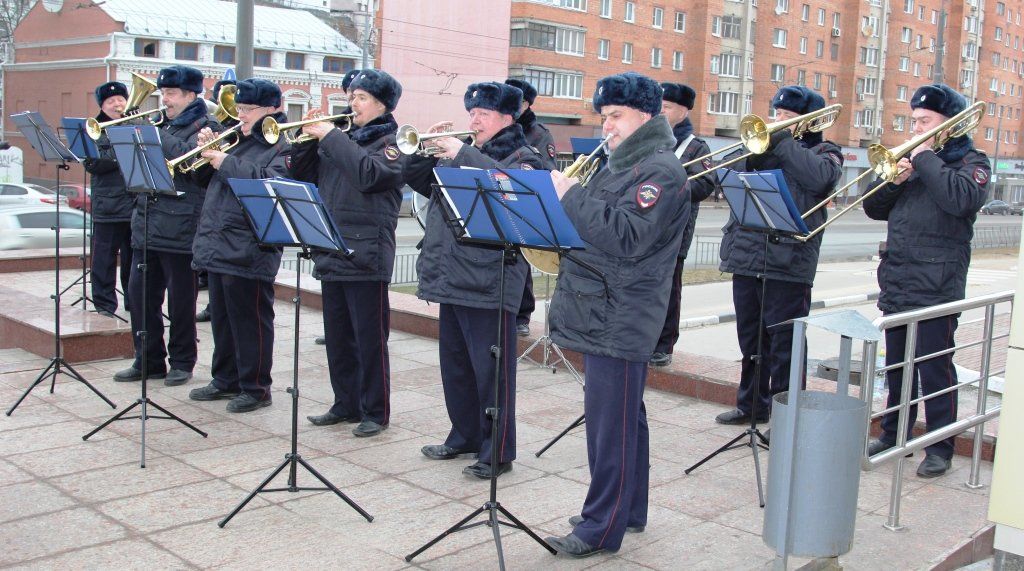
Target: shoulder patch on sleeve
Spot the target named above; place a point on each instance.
(706, 163)
(288, 162)
(836, 158)
(392, 153)
(980, 175)
(647, 194)
(551, 150)
(526, 167)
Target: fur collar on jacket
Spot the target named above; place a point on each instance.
(956, 149)
(682, 130)
(194, 112)
(645, 141)
(379, 127)
(505, 142)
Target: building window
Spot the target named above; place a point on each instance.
(630, 12)
(782, 6)
(680, 22)
(869, 56)
(294, 60)
(904, 63)
(899, 122)
(655, 57)
(778, 72)
(817, 81)
(146, 48)
(727, 65)
(999, 33)
(935, 16)
(867, 85)
(832, 84)
(579, 5)
(658, 20)
(569, 41)
(901, 93)
(627, 52)
(677, 61)
(603, 46)
(338, 65)
(723, 103)
(1000, 8)
(186, 51)
(261, 58)
(821, 16)
(801, 77)
(533, 35)
(731, 26)
(555, 84)
(835, 51)
(805, 12)
(803, 45)
(606, 8)
(993, 86)
(819, 49)
(917, 69)
(779, 38)
(908, 6)
(835, 19)
(224, 54)
(918, 41)
(905, 34)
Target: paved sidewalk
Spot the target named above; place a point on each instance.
(65, 503)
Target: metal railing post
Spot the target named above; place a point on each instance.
(973, 481)
(896, 493)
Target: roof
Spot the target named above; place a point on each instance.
(215, 21)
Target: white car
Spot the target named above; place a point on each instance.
(33, 227)
(24, 194)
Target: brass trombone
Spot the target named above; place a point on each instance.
(141, 89)
(583, 168)
(410, 141)
(192, 161)
(756, 135)
(885, 162)
(272, 129)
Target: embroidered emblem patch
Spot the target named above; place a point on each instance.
(551, 150)
(647, 194)
(980, 175)
(706, 163)
(288, 162)
(392, 153)
(526, 167)
(836, 159)
(923, 97)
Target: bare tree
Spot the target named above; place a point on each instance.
(11, 13)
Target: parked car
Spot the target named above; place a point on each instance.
(996, 207)
(12, 193)
(32, 227)
(1017, 208)
(77, 198)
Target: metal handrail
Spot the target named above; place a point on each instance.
(982, 414)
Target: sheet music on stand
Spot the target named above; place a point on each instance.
(80, 143)
(761, 200)
(285, 212)
(525, 205)
(141, 159)
(43, 138)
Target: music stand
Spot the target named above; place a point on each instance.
(283, 212)
(760, 202)
(502, 209)
(141, 161)
(45, 141)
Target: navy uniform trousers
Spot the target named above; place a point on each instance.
(670, 332)
(242, 319)
(357, 323)
(782, 301)
(110, 240)
(528, 303)
(934, 375)
(618, 450)
(467, 376)
(173, 274)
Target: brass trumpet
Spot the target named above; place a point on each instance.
(141, 89)
(583, 168)
(410, 141)
(885, 162)
(272, 129)
(192, 161)
(756, 135)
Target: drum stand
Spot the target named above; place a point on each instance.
(548, 345)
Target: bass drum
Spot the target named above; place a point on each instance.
(544, 260)
(420, 206)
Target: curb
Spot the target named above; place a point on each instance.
(705, 320)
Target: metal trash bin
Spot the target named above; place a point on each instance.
(826, 474)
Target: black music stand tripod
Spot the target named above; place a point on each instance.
(305, 222)
(756, 201)
(142, 163)
(45, 141)
(487, 197)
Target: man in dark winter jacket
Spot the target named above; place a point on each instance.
(164, 226)
(464, 280)
(811, 167)
(538, 136)
(240, 272)
(676, 105)
(629, 216)
(931, 207)
(359, 174)
(111, 208)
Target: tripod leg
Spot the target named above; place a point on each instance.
(34, 384)
(575, 423)
(253, 493)
(496, 529)
(757, 467)
(444, 534)
(112, 419)
(569, 366)
(333, 488)
(721, 449)
(177, 418)
(78, 377)
(528, 531)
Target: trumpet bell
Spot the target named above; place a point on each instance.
(140, 90)
(226, 108)
(755, 134)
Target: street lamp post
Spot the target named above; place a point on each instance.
(995, 159)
